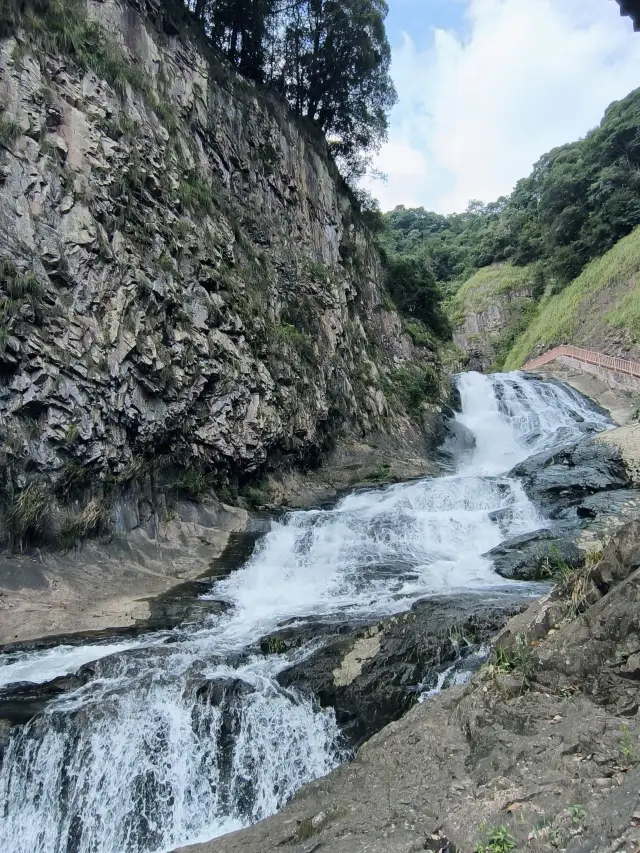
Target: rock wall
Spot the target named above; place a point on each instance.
(185, 287)
(481, 333)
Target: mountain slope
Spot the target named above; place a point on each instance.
(600, 310)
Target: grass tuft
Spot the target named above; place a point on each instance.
(28, 519)
(194, 193)
(93, 520)
(9, 131)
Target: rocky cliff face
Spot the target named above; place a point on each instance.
(185, 288)
(481, 332)
(489, 310)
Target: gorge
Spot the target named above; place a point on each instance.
(183, 735)
(278, 569)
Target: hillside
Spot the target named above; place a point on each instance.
(600, 310)
(489, 311)
(580, 202)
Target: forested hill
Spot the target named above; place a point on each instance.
(577, 203)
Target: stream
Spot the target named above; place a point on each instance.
(139, 759)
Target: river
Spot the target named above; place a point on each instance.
(131, 762)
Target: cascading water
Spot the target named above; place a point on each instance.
(140, 759)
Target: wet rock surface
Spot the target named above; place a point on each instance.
(547, 747)
(21, 702)
(534, 556)
(371, 675)
(563, 478)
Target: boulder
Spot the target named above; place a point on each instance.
(372, 675)
(562, 478)
(533, 556)
(20, 702)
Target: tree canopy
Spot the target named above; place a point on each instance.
(329, 59)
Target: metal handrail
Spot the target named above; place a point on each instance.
(621, 365)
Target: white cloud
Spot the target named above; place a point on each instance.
(476, 112)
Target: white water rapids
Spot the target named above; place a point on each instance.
(137, 761)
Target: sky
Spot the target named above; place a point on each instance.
(486, 87)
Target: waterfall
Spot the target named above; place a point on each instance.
(184, 735)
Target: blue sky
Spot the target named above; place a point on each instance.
(487, 86)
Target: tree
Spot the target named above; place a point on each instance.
(330, 59)
(412, 284)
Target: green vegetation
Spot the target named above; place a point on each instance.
(93, 520)
(18, 290)
(577, 813)
(28, 518)
(559, 316)
(305, 829)
(9, 131)
(496, 839)
(419, 334)
(194, 193)
(479, 291)
(580, 200)
(63, 26)
(415, 384)
(330, 61)
(415, 292)
(189, 483)
(274, 646)
(297, 340)
(628, 748)
(515, 658)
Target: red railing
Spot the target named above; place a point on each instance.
(621, 365)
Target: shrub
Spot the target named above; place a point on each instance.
(497, 839)
(297, 340)
(190, 484)
(415, 385)
(420, 336)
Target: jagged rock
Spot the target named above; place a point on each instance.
(228, 333)
(544, 755)
(372, 675)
